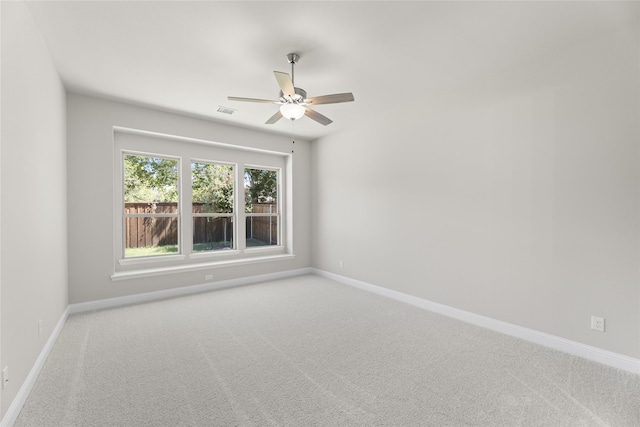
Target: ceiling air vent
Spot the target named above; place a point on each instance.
(226, 110)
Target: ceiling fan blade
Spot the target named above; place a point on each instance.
(330, 99)
(323, 120)
(264, 101)
(285, 83)
(277, 116)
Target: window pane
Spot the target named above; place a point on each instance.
(262, 231)
(150, 180)
(212, 188)
(212, 234)
(148, 236)
(260, 188)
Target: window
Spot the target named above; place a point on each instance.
(187, 204)
(261, 207)
(212, 204)
(151, 211)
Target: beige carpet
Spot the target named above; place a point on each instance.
(306, 351)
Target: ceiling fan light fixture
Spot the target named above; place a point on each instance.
(292, 111)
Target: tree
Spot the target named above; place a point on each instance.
(212, 184)
(155, 180)
(150, 179)
(261, 186)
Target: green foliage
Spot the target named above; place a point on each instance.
(150, 251)
(150, 179)
(155, 179)
(173, 249)
(261, 186)
(212, 184)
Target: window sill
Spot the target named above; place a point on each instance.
(126, 275)
(263, 249)
(214, 254)
(150, 260)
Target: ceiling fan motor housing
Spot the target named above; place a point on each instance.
(301, 95)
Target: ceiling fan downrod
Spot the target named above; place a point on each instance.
(292, 58)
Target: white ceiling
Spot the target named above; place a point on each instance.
(189, 56)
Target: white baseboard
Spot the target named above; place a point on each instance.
(12, 413)
(595, 354)
(178, 292)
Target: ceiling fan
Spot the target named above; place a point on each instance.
(294, 102)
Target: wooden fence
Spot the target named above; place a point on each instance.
(154, 231)
(149, 231)
(262, 230)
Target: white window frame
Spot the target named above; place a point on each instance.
(188, 150)
(278, 171)
(233, 215)
(145, 260)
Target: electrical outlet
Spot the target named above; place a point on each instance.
(208, 277)
(5, 376)
(39, 328)
(341, 263)
(597, 323)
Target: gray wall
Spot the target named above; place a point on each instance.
(91, 177)
(33, 230)
(514, 196)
